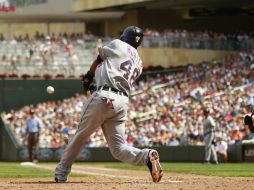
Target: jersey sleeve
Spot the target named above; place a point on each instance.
(108, 50)
(212, 122)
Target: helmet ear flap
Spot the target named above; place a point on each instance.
(122, 37)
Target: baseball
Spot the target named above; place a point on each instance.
(50, 89)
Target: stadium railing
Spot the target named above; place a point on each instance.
(188, 43)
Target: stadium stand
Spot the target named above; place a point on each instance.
(61, 56)
(165, 110)
(180, 38)
(68, 56)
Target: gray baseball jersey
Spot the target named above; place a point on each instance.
(120, 68)
(209, 125)
(210, 151)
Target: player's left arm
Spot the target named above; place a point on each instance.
(212, 122)
(104, 52)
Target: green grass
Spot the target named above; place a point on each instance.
(15, 170)
(230, 169)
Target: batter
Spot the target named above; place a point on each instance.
(115, 69)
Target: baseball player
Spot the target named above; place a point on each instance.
(209, 125)
(248, 121)
(115, 69)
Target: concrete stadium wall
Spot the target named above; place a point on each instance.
(49, 7)
(81, 5)
(9, 148)
(114, 27)
(15, 29)
(167, 154)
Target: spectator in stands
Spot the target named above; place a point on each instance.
(222, 148)
(69, 48)
(14, 63)
(174, 141)
(164, 137)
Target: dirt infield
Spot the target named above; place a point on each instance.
(108, 179)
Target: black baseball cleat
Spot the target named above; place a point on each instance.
(56, 180)
(61, 173)
(154, 166)
(60, 179)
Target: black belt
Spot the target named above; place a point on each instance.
(106, 88)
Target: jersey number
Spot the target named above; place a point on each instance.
(128, 75)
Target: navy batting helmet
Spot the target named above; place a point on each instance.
(132, 35)
(206, 111)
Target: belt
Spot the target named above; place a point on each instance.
(207, 133)
(106, 88)
(33, 133)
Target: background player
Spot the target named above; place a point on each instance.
(116, 68)
(248, 121)
(209, 136)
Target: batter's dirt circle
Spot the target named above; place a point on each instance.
(108, 179)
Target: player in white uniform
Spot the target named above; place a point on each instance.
(116, 68)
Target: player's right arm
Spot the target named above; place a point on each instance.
(27, 132)
(88, 77)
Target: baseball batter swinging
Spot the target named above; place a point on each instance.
(115, 69)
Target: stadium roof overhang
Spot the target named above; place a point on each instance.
(162, 5)
(69, 17)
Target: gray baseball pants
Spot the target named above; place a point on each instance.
(210, 148)
(111, 118)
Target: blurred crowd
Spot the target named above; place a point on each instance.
(174, 111)
(166, 110)
(64, 55)
(176, 38)
(58, 120)
(55, 54)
